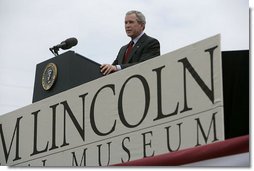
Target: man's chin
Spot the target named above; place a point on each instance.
(131, 36)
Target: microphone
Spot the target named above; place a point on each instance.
(67, 44)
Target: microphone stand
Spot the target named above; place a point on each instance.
(54, 50)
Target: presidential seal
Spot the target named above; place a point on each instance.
(49, 76)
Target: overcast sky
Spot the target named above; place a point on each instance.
(29, 27)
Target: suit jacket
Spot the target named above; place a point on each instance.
(145, 48)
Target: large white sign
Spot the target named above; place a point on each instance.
(169, 103)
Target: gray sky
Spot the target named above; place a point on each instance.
(28, 28)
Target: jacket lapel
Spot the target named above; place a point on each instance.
(122, 53)
(137, 45)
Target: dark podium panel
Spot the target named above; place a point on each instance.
(72, 70)
(235, 67)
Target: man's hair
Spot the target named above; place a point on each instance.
(140, 17)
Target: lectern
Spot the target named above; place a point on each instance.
(63, 72)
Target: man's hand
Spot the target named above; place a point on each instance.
(108, 68)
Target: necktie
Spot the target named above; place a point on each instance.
(128, 51)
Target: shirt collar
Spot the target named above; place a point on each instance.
(135, 40)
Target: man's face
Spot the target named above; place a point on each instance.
(132, 27)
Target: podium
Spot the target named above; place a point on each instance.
(72, 70)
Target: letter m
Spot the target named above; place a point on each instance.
(83, 159)
(206, 136)
(14, 135)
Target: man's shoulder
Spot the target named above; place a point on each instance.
(145, 37)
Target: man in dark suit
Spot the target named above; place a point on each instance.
(141, 47)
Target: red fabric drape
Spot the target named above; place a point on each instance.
(218, 149)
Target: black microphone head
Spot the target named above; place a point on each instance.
(68, 43)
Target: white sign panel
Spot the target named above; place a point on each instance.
(169, 103)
